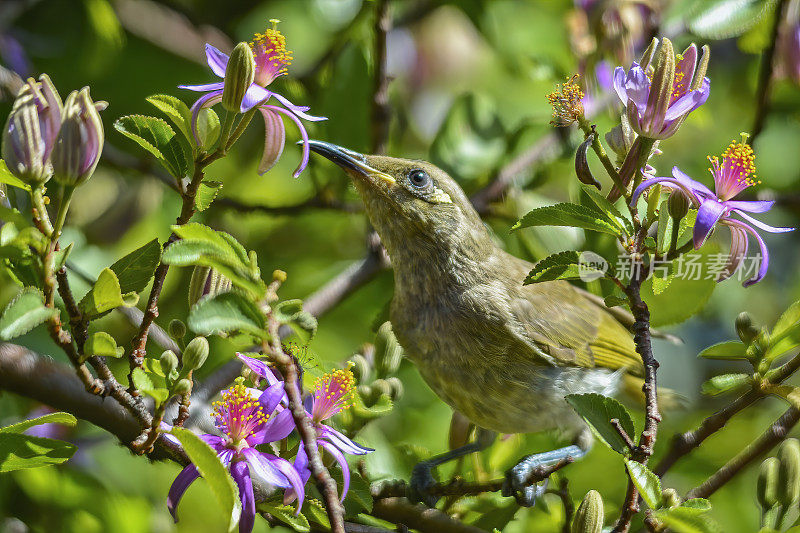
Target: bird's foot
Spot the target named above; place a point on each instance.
(420, 484)
(527, 480)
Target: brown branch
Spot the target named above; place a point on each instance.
(381, 110)
(417, 516)
(30, 375)
(769, 439)
(765, 75)
(308, 434)
(455, 487)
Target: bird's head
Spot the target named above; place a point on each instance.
(409, 201)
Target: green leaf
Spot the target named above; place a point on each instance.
(50, 418)
(685, 520)
(208, 128)
(598, 411)
(106, 295)
(285, 513)
(177, 112)
(665, 229)
(646, 482)
(135, 270)
(730, 350)
(723, 19)
(158, 138)
(724, 383)
(572, 215)
(315, 512)
(359, 497)
(18, 451)
(227, 312)
(699, 505)
(143, 382)
(102, 344)
(568, 265)
(60, 257)
(471, 139)
(206, 194)
(23, 313)
(611, 211)
(291, 312)
(10, 179)
(213, 471)
(785, 335)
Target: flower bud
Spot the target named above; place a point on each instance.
(31, 130)
(767, 484)
(678, 206)
(378, 388)
(195, 354)
(649, 52)
(169, 362)
(582, 169)
(745, 328)
(788, 487)
(183, 386)
(388, 352)
(590, 515)
(239, 76)
(279, 275)
(663, 78)
(671, 498)
(176, 329)
(360, 367)
(206, 281)
(80, 140)
(620, 139)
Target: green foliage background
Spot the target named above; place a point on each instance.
(500, 57)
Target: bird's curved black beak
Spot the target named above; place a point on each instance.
(349, 160)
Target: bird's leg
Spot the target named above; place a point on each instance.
(517, 482)
(422, 478)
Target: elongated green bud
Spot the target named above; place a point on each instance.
(239, 75)
(206, 281)
(789, 472)
(590, 515)
(195, 354)
(378, 388)
(649, 52)
(582, 169)
(671, 498)
(397, 388)
(183, 386)
(169, 362)
(678, 206)
(360, 368)
(663, 77)
(767, 484)
(388, 352)
(745, 328)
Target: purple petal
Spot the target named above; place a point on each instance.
(303, 134)
(691, 184)
(339, 456)
(297, 482)
(637, 86)
(214, 441)
(216, 60)
(687, 65)
(342, 442)
(751, 206)
(672, 182)
(271, 397)
(274, 140)
(279, 426)
(298, 110)
(689, 101)
(262, 468)
(241, 475)
(179, 486)
(261, 368)
(737, 254)
(708, 215)
(254, 95)
(207, 100)
(761, 225)
(619, 85)
(762, 269)
(204, 87)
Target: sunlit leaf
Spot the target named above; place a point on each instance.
(646, 482)
(226, 312)
(158, 138)
(23, 313)
(106, 295)
(572, 215)
(50, 418)
(19, 451)
(102, 344)
(598, 411)
(135, 270)
(725, 350)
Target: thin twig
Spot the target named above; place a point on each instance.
(765, 75)
(381, 111)
(769, 439)
(418, 516)
(455, 487)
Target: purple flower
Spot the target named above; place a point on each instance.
(246, 418)
(652, 114)
(272, 59)
(735, 174)
(333, 393)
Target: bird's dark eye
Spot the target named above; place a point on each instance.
(419, 178)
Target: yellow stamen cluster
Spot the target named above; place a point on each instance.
(237, 409)
(679, 85)
(567, 102)
(738, 160)
(338, 385)
(272, 43)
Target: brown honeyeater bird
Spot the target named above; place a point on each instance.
(501, 353)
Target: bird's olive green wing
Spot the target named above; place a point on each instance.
(556, 320)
